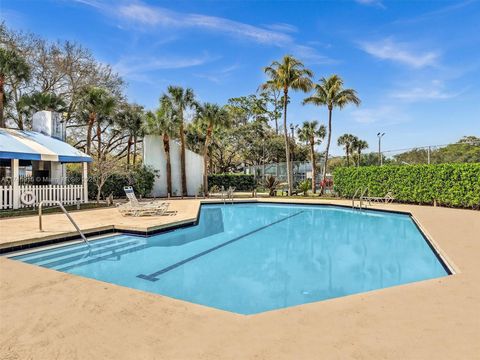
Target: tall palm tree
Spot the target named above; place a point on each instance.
(181, 99)
(313, 134)
(131, 118)
(12, 67)
(97, 104)
(347, 141)
(358, 146)
(287, 74)
(163, 122)
(330, 93)
(213, 116)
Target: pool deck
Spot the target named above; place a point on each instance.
(46, 314)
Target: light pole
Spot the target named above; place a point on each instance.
(380, 159)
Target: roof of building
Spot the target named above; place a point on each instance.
(31, 145)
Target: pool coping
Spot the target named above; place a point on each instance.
(28, 244)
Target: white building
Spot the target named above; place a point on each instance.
(154, 156)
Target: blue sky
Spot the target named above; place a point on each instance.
(415, 65)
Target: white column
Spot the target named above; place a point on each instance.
(15, 184)
(85, 182)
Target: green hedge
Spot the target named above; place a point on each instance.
(241, 182)
(455, 185)
(141, 178)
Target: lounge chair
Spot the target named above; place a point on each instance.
(134, 208)
(388, 198)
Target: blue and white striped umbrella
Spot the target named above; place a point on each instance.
(31, 145)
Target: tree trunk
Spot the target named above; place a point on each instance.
(129, 148)
(287, 145)
(91, 121)
(99, 141)
(276, 126)
(312, 157)
(205, 159)
(135, 149)
(182, 159)
(347, 150)
(358, 158)
(329, 138)
(2, 100)
(166, 147)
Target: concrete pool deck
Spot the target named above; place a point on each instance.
(45, 314)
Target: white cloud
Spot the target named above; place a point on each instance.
(135, 65)
(433, 91)
(377, 3)
(157, 16)
(220, 75)
(147, 17)
(384, 114)
(388, 49)
(310, 55)
(283, 27)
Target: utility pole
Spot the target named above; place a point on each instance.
(380, 158)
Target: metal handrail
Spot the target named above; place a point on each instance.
(362, 196)
(40, 206)
(354, 195)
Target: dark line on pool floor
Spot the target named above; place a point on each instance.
(153, 276)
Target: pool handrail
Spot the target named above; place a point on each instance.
(40, 206)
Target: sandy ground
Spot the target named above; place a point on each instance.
(50, 315)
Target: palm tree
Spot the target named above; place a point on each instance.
(97, 104)
(181, 100)
(287, 74)
(312, 134)
(163, 122)
(330, 92)
(213, 116)
(358, 146)
(42, 101)
(131, 118)
(347, 141)
(15, 68)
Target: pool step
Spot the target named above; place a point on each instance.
(75, 254)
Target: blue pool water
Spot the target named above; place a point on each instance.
(249, 258)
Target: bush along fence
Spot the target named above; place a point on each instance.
(141, 178)
(241, 182)
(455, 185)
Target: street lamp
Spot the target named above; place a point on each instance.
(380, 159)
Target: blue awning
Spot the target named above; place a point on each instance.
(31, 145)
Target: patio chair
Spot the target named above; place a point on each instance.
(388, 198)
(134, 208)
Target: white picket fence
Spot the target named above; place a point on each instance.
(66, 194)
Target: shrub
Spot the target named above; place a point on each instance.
(304, 186)
(456, 185)
(141, 178)
(271, 184)
(241, 182)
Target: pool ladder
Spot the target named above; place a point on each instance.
(361, 191)
(40, 206)
(226, 195)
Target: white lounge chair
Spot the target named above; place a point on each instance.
(134, 208)
(388, 198)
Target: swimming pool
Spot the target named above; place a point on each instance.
(254, 257)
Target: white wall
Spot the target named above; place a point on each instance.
(154, 156)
